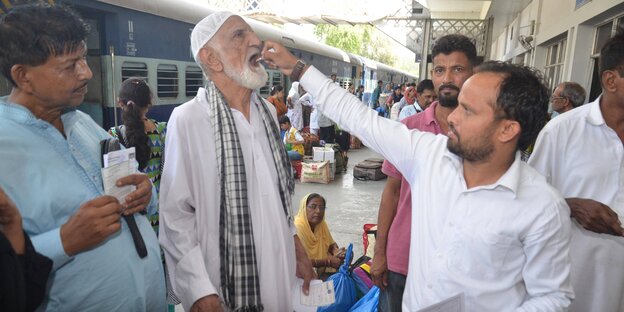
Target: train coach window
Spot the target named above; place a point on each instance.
(133, 69)
(194, 80)
(275, 78)
(167, 75)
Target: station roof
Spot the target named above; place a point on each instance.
(502, 11)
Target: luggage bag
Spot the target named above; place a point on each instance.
(368, 170)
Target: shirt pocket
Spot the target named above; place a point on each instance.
(479, 254)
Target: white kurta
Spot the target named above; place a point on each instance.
(296, 115)
(582, 157)
(504, 245)
(189, 207)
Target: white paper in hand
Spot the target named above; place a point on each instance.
(118, 156)
(118, 164)
(321, 294)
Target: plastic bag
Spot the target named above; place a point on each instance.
(362, 279)
(368, 303)
(344, 287)
(360, 272)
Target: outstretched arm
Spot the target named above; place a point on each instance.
(346, 110)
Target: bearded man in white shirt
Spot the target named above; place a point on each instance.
(580, 153)
(226, 217)
(484, 223)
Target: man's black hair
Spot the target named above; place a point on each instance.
(612, 54)
(522, 96)
(425, 84)
(455, 43)
(30, 34)
(284, 119)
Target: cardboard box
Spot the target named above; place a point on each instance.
(323, 154)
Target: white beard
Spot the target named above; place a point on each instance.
(249, 78)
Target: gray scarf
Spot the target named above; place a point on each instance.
(240, 283)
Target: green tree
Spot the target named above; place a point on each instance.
(362, 40)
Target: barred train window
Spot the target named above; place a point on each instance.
(167, 75)
(275, 78)
(194, 80)
(133, 69)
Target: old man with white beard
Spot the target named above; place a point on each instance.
(226, 217)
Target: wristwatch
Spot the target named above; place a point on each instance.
(297, 71)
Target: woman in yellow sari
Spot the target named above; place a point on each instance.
(314, 235)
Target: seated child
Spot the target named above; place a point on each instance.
(292, 139)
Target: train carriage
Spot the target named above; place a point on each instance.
(151, 39)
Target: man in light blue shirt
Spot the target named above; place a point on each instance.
(50, 167)
(425, 95)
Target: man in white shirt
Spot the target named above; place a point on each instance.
(580, 153)
(454, 56)
(484, 223)
(226, 220)
(567, 96)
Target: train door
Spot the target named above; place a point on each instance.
(94, 99)
(93, 102)
(5, 86)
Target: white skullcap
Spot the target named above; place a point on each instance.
(206, 29)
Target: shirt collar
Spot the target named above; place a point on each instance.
(429, 114)
(509, 180)
(595, 115)
(417, 106)
(15, 112)
(21, 114)
(255, 99)
(201, 96)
